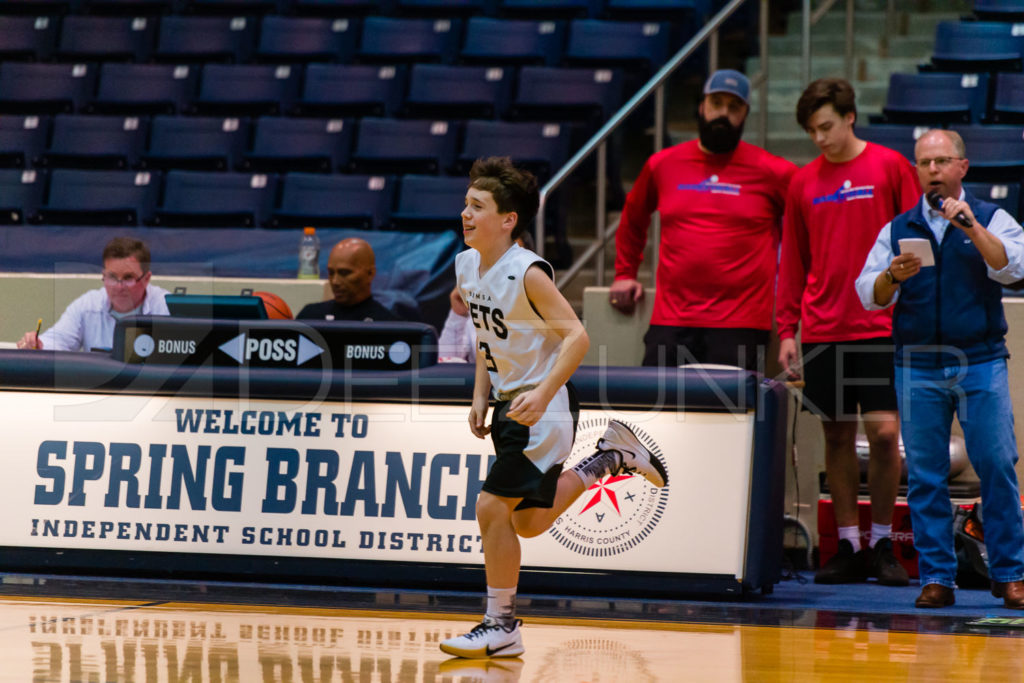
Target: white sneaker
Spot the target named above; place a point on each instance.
(634, 456)
(487, 639)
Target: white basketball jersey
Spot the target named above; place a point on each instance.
(518, 346)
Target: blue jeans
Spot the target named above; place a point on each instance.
(979, 394)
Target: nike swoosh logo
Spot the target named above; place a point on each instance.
(491, 653)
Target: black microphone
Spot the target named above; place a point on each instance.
(935, 200)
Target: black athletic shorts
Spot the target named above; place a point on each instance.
(839, 377)
(671, 346)
(513, 474)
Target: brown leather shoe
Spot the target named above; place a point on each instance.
(935, 595)
(1012, 593)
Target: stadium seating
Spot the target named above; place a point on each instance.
(88, 38)
(98, 142)
(540, 147)
(351, 90)
(1006, 195)
(246, 89)
(306, 39)
(389, 39)
(282, 144)
(342, 8)
(393, 146)
(458, 92)
(560, 94)
(199, 143)
(45, 88)
(210, 199)
(677, 11)
(186, 39)
(895, 137)
(513, 42)
(21, 191)
(337, 201)
(132, 8)
(999, 10)
(143, 89)
(78, 197)
(447, 8)
(22, 139)
(233, 7)
(593, 42)
(27, 38)
(429, 202)
(936, 98)
(972, 46)
(549, 9)
(1008, 99)
(996, 153)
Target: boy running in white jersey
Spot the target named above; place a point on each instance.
(529, 343)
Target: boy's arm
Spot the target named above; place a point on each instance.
(481, 398)
(528, 407)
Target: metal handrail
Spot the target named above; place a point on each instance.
(654, 85)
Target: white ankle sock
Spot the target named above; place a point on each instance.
(880, 531)
(501, 604)
(851, 534)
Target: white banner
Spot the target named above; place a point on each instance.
(361, 481)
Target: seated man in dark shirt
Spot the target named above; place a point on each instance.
(350, 270)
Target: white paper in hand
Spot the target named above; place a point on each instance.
(920, 248)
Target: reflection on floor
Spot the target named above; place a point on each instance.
(56, 641)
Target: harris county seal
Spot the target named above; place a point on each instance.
(618, 511)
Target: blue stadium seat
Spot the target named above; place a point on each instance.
(232, 8)
(131, 8)
(900, 138)
(446, 8)
(246, 89)
(22, 139)
(208, 199)
(87, 38)
(184, 39)
(977, 46)
(1006, 195)
(427, 202)
(144, 89)
(389, 40)
(96, 142)
(513, 41)
(999, 10)
(38, 8)
(1008, 100)
(307, 39)
(400, 146)
(45, 88)
(342, 8)
(539, 147)
(458, 92)
(351, 90)
(676, 11)
(195, 143)
(21, 192)
(313, 145)
(336, 201)
(78, 197)
(593, 42)
(550, 9)
(566, 94)
(936, 98)
(27, 38)
(996, 153)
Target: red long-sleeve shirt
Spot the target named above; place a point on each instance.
(833, 215)
(720, 227)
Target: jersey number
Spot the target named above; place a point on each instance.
(491, 364)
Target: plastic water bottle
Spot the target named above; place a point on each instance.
(309, 254)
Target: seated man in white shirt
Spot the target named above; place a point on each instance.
(88, 322)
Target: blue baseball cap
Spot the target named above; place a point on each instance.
(730, 81)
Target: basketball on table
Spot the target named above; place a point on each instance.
(277, 309)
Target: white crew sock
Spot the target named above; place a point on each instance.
(501, 605)
(880, 531)
(851, 534)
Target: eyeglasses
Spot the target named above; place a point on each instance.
(126, 281)
(940, 162)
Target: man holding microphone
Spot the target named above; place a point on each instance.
(949, 332)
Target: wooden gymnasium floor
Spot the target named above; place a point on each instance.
(71, 630)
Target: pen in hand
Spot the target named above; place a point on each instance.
(39, 326)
